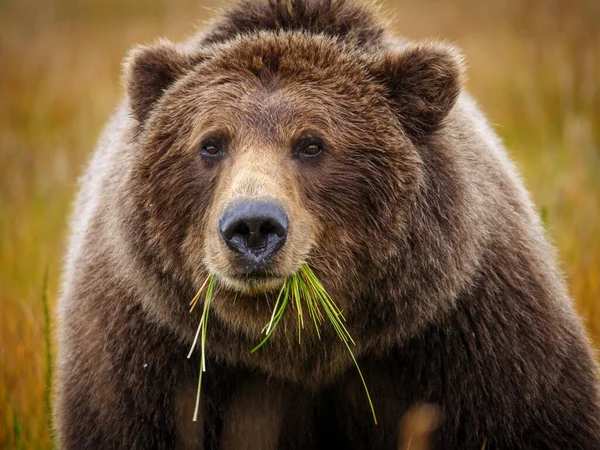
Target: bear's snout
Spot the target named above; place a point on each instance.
(255, 231)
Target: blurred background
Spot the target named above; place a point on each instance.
(534, 66)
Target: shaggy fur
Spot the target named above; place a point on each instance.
(413, 218)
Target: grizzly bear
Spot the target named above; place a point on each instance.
(301, 131)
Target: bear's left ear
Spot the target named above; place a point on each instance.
(150, 70)
(423, 81)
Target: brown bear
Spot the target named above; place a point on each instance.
(300, 131)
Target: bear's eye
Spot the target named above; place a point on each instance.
(212, 148)
(309, 148)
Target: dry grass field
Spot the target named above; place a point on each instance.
(534, 65)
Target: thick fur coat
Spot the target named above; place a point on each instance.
(411, 215)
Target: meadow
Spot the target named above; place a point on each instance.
(534, 66)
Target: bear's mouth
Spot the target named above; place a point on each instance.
(258, 274)
(252, 282)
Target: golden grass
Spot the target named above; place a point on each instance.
(533, 65)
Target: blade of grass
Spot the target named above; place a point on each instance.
(278, 316)
(49, 366)
(343, 334)
(194, 301)
(313, 309)
(270, 324)
(202, 326)
(298, 301)
(207, 301)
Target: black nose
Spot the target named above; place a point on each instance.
(256, 229)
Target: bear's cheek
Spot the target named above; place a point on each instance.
(171, 198)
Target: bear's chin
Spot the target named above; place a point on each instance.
(252, 285)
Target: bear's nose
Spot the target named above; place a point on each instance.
(256, 229)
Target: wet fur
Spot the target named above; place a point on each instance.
(415, 221)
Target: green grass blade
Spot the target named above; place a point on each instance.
(278, 316)
(207, 301)
(364, 383)
(202, 327)
(197, 407)
(270, 324)
(49, 366)
(298, 301)
(346, 339)
(311, 306)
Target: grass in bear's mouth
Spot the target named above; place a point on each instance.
(302, 287)
(209, 285)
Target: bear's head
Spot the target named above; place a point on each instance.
(273, 149)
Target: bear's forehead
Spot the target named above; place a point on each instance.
(277, 86)
(275, 113)
(298, 58)
(268, 113)
(283, 78)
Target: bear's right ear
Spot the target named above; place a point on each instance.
(150, 70)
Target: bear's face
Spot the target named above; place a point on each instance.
(266, 152)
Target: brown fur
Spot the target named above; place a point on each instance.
(413, 218)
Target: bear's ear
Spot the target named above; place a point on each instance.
(150, 70)
(423, 81)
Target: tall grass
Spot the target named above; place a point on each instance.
(49, 364)
(533, 65)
